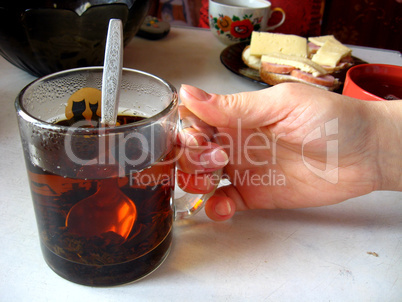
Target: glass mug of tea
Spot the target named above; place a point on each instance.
(103, 197)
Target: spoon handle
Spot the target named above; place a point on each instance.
(112, 72)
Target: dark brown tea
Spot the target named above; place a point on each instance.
(386, 87)
(105, 231)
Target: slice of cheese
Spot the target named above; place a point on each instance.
(321, 39)
(303, 64)
(263, 43)
(331, 52)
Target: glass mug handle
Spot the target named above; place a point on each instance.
(188, 204)
(277, 9)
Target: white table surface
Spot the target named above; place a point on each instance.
(318, 254)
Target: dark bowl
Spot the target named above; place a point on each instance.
(42, 36)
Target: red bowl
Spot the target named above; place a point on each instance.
(374, 82)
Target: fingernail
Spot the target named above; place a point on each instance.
(223, 208)
(195, 92)
(187, 137)
(214, 159)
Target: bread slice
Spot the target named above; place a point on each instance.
(251, 61)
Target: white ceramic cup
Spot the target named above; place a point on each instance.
(233, 21)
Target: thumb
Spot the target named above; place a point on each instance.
(254, 109)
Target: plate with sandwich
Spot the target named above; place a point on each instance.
(271, 58)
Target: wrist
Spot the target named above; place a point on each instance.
(388, 141)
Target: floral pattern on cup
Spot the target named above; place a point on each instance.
(235, 28)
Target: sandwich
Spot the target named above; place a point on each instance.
(289, 58)
(330, 53)
(278, 68)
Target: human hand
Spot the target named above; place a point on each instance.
(290, 146)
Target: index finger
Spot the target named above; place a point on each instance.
(194, 131)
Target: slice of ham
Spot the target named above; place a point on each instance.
(277, 68)
(324, 80)
(313, 48)
(347, 59)
(343, 64)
